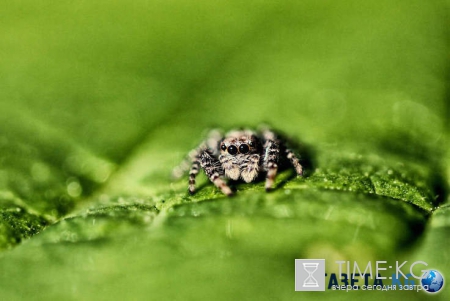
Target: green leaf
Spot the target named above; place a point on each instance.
(100, 101)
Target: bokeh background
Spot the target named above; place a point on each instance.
(99, 101)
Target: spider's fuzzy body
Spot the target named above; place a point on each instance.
(239, 154)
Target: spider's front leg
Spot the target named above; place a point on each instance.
(271, 157)
(213, 138)
(213, 170)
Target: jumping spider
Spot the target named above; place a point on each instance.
(240, 154)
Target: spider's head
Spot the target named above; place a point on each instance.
(239, 152)
(239, 143)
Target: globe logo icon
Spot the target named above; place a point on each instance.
(432, 281)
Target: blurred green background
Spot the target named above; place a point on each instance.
(99, 101)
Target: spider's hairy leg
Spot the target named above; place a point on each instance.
(294, 161)
(195, 165)
(192, 174)
(250, 168)
(213, 138)
(271, 156)
(213, 170)
(184, 166)
(180, 170)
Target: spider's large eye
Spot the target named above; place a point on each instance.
(232, 150)
(223, 147)
(243, 148)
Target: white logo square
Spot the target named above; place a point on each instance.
(310, 274)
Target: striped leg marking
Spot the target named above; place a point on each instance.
(192, 174)
(271, 174)
(213, 170)
(271, 157)
(294, 161)
(220, 183)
